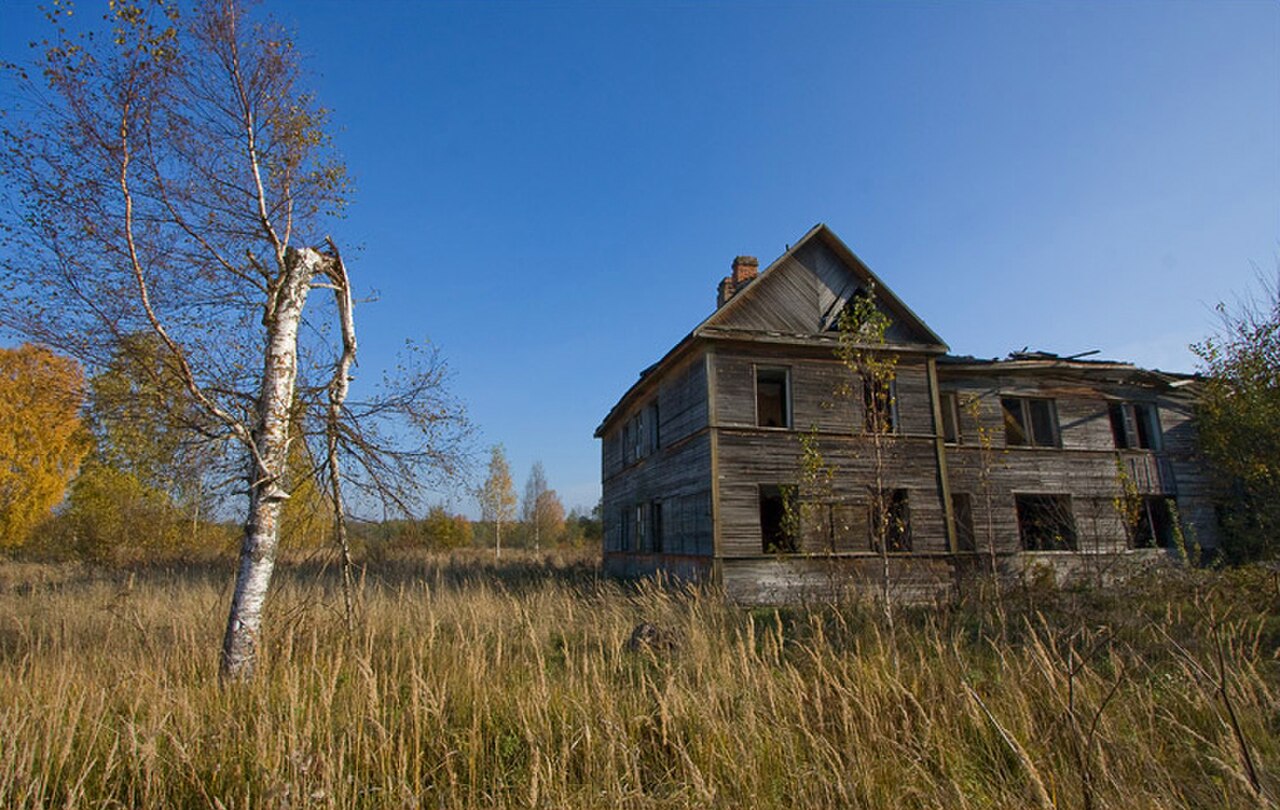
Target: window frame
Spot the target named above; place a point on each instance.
(785, 543)
(787, 400)
(868, 398)
(1064, 508)
(1129, 418)
(893, 498)
(949, 404)
(964, 524)
(1026, 421)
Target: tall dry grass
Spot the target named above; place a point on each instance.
(470, 685)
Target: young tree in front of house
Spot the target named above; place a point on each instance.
(1238, 420)
(174, 178)
(497, 495)
(42, 438)
(863, 327)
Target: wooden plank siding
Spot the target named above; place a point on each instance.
(676, 475)
(1086, 466)
(714, 456)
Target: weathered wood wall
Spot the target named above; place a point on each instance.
(1084, 467)
(749, 456)
(677, 474)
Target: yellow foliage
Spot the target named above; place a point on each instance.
(42, 439)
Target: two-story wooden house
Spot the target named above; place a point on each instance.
(1074, 464)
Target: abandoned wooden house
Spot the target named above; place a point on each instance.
(741, 456)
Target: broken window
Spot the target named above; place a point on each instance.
(1045, 522)
(773, 397)
(1135, 425)
(880, 404)
(1155, 527)
(1029, 422)
(950, 418)
(777, 535)
(962, 512)
(890, 518)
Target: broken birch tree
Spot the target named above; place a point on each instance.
(174, 179)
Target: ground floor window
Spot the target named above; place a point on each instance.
(889, 520)
(777, 535)
(962, 512)
(1045, 522)
(1155, 526)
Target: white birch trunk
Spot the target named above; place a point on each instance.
(267, 467)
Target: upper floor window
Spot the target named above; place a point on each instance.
(880, 404)
(640, 435)
(1030, 422)
(950, 417)
(773, 397)
(1135, 425)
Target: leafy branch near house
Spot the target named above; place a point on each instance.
(1238, 419)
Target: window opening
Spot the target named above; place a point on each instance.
(776, 535)
(962, 512)
(773, 399)
(1045, 522)
(894, 523)
(1029, 422)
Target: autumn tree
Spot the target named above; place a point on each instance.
(42, 439)
(174, 178)
(497, 495)
(444, 530)
(534, 488)
(1238, 419)
(548, 518)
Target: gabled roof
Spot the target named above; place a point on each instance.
(790, 302)
(802, 290)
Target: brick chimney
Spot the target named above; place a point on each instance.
(745, 270)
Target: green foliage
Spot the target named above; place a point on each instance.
(42, 438)
(445, 531)
(1238, 419)
(112, 515)
(144, 422)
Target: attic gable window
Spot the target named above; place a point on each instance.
(1135, 425)
(1030, 422)
(773, 397)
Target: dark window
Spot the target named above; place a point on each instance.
(1029, 422)
(773, 397)
(1134, 425)
(776, 533)
(950, 418)
(880, 405)
(1155, 523)
(1045, 522)
(962, 511)
(656, 523)
(893, 523)
(642, 537)
(624, 530)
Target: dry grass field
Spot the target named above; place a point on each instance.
(472, 685)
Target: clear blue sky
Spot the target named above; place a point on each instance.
(550, 191)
